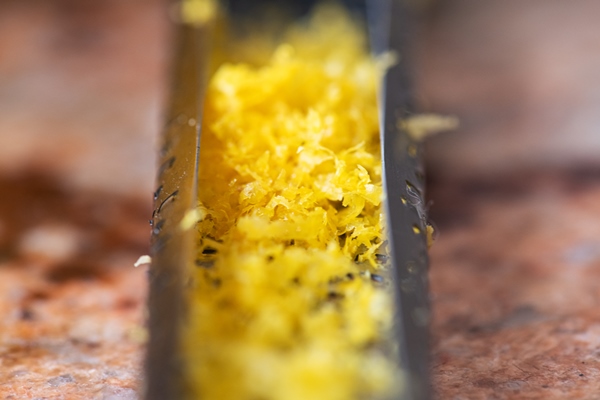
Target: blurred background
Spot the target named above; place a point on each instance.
(515, 194)
(81, 89)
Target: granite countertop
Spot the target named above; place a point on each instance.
(515, 195)
(71, 302)
(515, 286)
(80, 91)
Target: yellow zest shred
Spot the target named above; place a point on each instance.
(198, 12)
(285, 301)
(421, 126)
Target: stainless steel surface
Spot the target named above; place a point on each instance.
(172, 246)
(390, 30)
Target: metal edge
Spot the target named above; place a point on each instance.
(404, 184)
(176, 194)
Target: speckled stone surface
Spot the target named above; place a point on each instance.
(71, 301)
(515, 273)
(80, 94)
(515, 278)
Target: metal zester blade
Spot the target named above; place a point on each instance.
(390, 30)
(172, 247)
